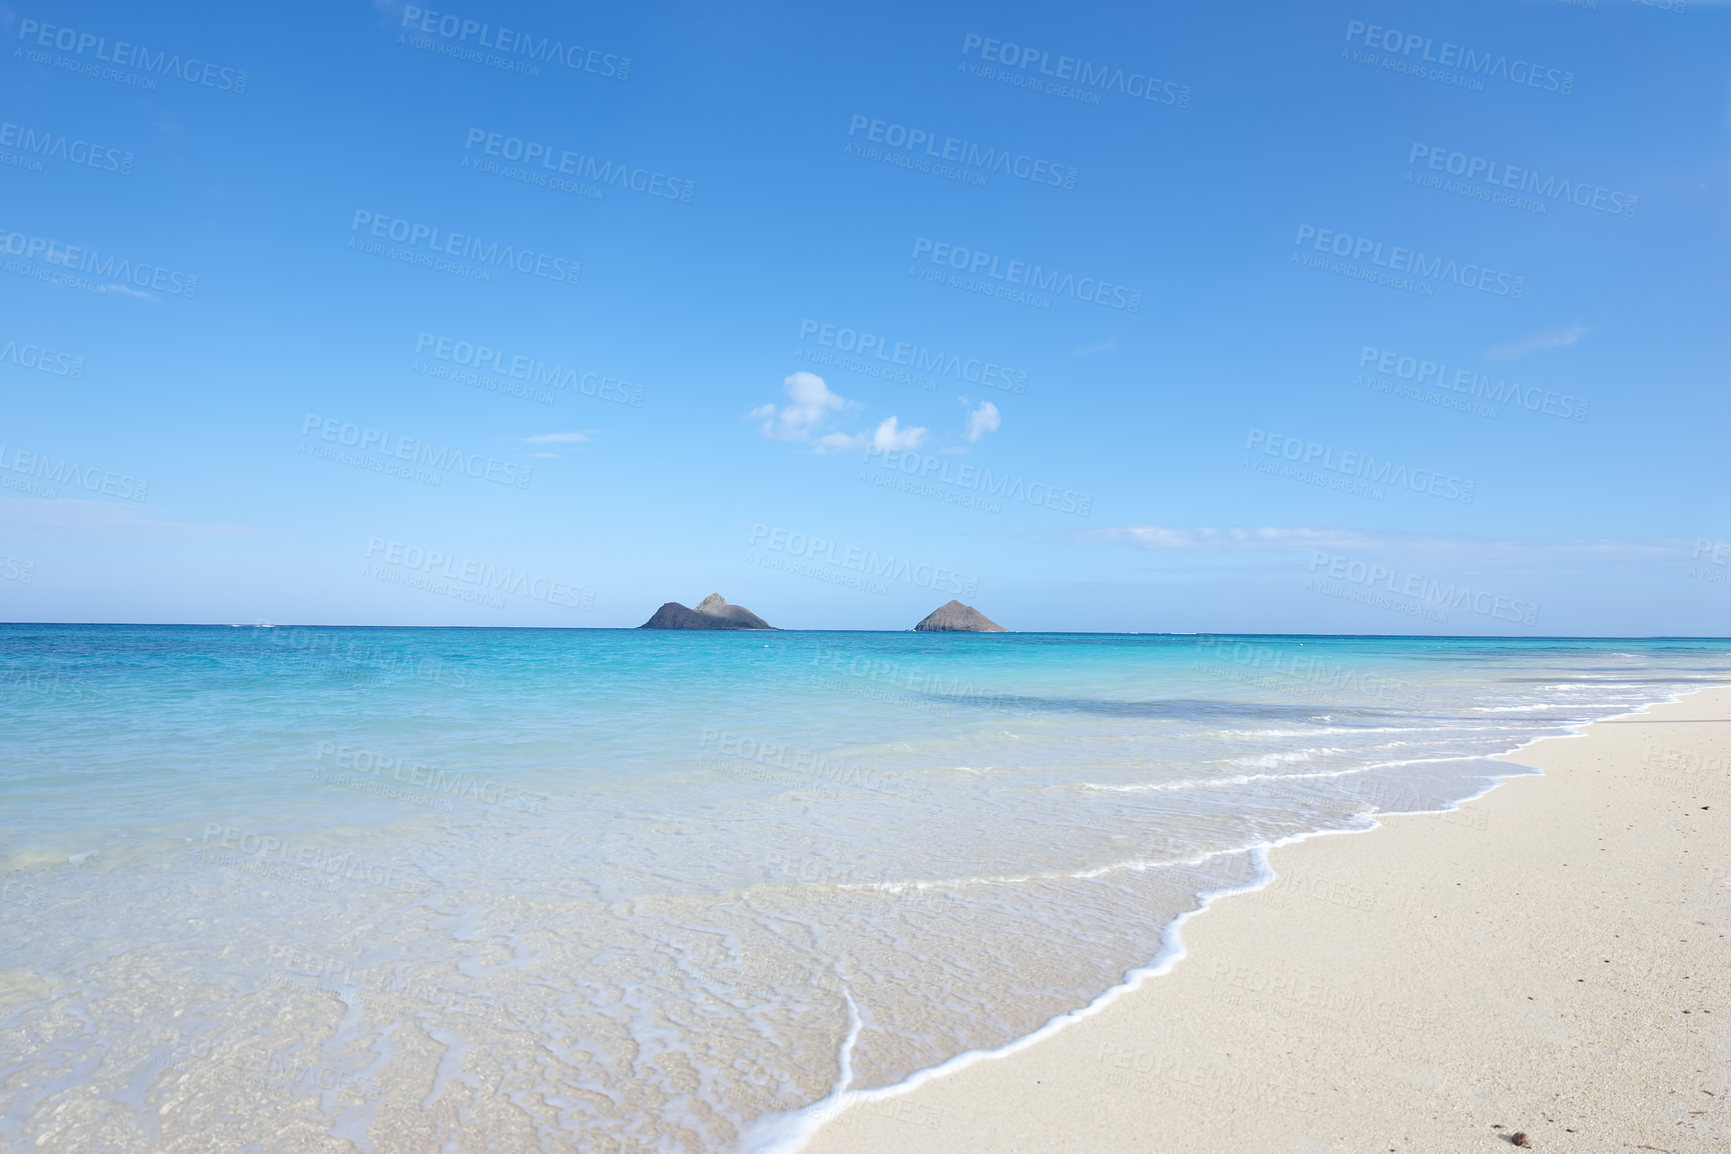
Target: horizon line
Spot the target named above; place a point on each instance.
(937, 632)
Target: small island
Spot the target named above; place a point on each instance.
(955, 617)
(713, 612)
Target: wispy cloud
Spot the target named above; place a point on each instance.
(73, 519)
(559, 438)
(983, 420)
(1166, 538)
(1308, 538)
(1090, 350)
(1538, 342)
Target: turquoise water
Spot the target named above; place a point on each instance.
(428, 889)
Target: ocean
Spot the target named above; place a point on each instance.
(613, 890)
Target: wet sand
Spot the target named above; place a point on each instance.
(1553, 960)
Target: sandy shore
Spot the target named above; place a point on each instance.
(1554, 959)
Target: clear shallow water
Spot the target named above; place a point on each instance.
(617, 891)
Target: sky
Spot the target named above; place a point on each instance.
(1327, 318)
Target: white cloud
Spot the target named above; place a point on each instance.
(559, 438)
(810, 403)
(983, 420)
(840, 442)
(1090, 350)
(889, 438)
(1536, 343)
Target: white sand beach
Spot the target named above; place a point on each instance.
(1548, 967)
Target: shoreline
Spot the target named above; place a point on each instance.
(986, 1099)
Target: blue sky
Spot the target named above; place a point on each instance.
(1375, 318)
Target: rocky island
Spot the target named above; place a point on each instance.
(955, 617)
(713, 612)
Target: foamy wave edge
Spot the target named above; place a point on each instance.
(788, 1132)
